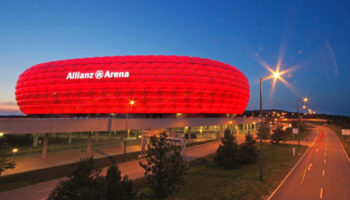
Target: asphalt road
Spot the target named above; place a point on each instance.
(132, 169)
(323, 173)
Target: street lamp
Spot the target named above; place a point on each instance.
(14, 151)
(276, 75)
(304, 100)
(130, 104)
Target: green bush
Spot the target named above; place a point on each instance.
(5, 156)
(278, 135)
(227, 153)
(165, 168)
(265, 128)
(86, 183)
(248, 152)
(118, 187)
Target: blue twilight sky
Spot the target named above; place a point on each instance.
(314, 36)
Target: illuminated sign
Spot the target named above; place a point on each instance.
(97, 75)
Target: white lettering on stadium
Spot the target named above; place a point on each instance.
(97, 75)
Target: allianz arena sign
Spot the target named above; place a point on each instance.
(100, 74)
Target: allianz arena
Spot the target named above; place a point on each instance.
(157, 84)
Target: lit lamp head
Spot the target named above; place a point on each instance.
(276, 75)
(304, 106)
(1, 134)
(131, 102)
(14, 150)
(230, 122)
(305, 99)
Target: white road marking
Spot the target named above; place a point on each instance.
(324, 161)
(323, 172)
(321, 193)
(346, 155)
(308, 169)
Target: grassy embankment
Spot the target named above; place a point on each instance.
(209, 181)
(33, 177)
(345, 140)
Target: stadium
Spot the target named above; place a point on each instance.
(113, 102)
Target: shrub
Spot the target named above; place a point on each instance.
(86, 183)
(165, 167)
(248, 152)
(227, 153)
(278, 135)
(265, 128)
(5, 156)
(118, 187)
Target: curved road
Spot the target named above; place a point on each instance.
(323, 173)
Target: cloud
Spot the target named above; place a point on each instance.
(9, 108)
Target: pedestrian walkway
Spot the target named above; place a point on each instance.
(34, 162)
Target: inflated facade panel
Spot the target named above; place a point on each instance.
(157, 84)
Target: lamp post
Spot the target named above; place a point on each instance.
(274, 75)
(14, 151)
(130, 104)
(298, 108)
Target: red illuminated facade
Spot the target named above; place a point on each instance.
(157, 84)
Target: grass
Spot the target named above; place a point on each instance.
(345, 140)
(19, 180)
(209, 181)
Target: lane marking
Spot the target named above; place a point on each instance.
(321, 193)
(296, 164)
(308, 169)
(302, 179)
(323, 172)
(346, 155)
(324, 161)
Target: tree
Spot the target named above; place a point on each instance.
(5, 156)
(117, 187)
(265, 131)
(248, 152)
(85, 183)
(278, 135)
(227, 153)
(165, 167)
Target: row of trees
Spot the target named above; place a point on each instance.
(281, 135)
(5, 155)
(87, 183)
(164, 170)
(230, 155)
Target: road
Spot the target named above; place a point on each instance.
(323, 173)
(132, 169)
